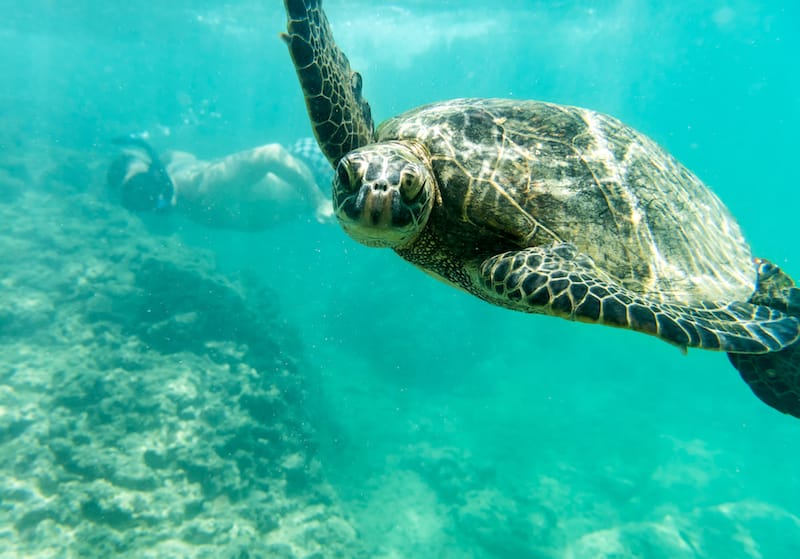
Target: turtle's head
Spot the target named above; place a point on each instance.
(383, 193)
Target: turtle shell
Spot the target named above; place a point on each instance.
(515, 174)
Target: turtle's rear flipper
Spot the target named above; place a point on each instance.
(341, 117)
(560, 281)
(774, 377)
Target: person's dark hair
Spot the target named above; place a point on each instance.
(117, 172)
(147, 190)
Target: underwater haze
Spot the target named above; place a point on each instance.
(169, 390)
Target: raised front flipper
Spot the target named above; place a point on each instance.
(341, 117)
(560, 281)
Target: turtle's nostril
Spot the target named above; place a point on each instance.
(381, 185)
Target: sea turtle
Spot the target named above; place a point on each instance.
(549, 209)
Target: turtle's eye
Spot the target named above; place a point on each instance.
(343, 174)
(410, 183)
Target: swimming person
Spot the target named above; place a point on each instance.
(250, 190)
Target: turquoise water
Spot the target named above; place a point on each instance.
(438, 425)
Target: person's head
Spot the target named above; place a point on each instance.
(140, 183)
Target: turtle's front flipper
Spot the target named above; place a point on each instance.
(560, 281)
(774, 377)
(341, 117)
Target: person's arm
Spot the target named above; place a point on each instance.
(247, 168)
(249, 190)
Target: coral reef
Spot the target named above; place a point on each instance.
(149, 406)
(562, 517)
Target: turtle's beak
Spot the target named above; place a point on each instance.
(375, 216)
(375, 202)
(376, 207)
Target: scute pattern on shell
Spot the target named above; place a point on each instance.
(528, 173)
